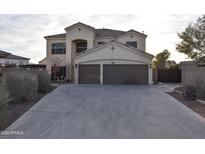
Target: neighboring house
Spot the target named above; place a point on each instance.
(99, 56)
(42, 62)
(7, 58)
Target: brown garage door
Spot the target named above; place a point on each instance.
(125, 74)
(89, 74)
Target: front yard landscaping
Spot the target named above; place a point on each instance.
(20, 89)
(12, 111)
(192, 104)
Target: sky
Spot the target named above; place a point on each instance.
(23, 34)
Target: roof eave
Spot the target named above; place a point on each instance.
(104, 37)
(77, 24)
(55, 36)
(42, 60)
(112, 41)
(134, 31)
(18, 58)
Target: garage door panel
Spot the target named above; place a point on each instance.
(89, 74)
(125, 74)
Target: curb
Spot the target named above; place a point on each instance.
(200, 101)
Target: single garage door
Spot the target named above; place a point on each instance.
(125, 74)
(89, 74)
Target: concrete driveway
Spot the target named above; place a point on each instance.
(106, 111)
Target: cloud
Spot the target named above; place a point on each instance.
(23, 34)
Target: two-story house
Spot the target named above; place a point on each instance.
(99, 56)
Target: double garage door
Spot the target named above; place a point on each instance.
(113, 74)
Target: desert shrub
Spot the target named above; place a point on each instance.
(4, 94)
(22, 84)
(189, 92)
(3, 116)
(44, 82)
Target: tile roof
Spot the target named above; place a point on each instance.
(63, 35)
(90, 50)
(108, 32)
(99, 32)
(42, 60)
(7, 55)
(78, 24)
(4, 52)
(16, 57)
(132, 30)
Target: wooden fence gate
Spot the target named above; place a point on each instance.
(169, 75)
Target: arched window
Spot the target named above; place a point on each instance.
(80, 45)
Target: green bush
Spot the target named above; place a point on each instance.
(44, 82)
(4, 94)
(22, 84)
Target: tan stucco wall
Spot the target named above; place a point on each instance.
(58, 59)
(102, 40)
(140, 40)
(192, 74)
(120, 55)
(87, 34)
(75, 34)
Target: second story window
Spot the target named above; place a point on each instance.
(81, 46)
(58, 48)
(99, 43)
(132, 43)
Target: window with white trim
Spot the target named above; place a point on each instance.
(100, 43)
(58, 48)
(81, 46)
(132, 43)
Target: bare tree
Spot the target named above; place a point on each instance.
(55, 61)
